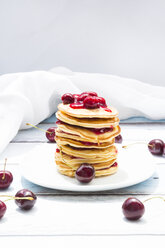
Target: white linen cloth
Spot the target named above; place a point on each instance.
(33, 96)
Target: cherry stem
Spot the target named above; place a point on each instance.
(10, 197)
(158, 197)
(28, 124)
(3, 177)
(126, 146)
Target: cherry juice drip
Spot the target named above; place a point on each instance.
(101, 130)
(114, 165)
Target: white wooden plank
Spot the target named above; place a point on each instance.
(84, 216)
(83, 241)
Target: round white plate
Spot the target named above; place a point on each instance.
(135, 166)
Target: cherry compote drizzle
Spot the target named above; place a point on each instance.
(101, 130)
(77, 105)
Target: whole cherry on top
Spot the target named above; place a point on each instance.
(87, 100)
(6, 177)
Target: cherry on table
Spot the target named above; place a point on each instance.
(85, 173)
(6, 177)
(2, 209)
(119, 139)
(51, 133)
(25, 203)
(155, 146)
(133, 209)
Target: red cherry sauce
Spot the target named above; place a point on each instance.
(86, 143)
(102, 130)
(107, 109)
(114, 165)
(73, 157)
(57, 150)
(77, 105)
(58, 122)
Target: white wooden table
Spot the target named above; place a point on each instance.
(69, 213)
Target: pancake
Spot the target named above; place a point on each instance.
(98, 173)
(89, 153)
(88, 113)
(73, 161)
(82, 144)
(84, 134)
(87, 122)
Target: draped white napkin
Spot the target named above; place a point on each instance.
(33, 96)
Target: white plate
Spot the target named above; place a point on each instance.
(135, 166)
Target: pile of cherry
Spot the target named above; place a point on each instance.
(24, 198)
(87, 100)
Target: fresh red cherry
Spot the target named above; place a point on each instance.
(119, 139)
(155, 146)
(82, 97)
(25, 203)
(2, 209)
(75, 96)
(163, 151)
(90, 93)
(85, 173)
(6, 179)
(91, 102)
(133, 209)
(102, 102)
(51, 133)
(67, 98)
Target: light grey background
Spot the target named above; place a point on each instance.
(123, 37)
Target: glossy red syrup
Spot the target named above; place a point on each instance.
(86, 143)
(57, 150)
(73, 157)
(101, 130)
(77, 105)
(58, 122)
(114, 165)
(107, 109)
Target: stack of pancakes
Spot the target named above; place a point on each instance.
(86, 136)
